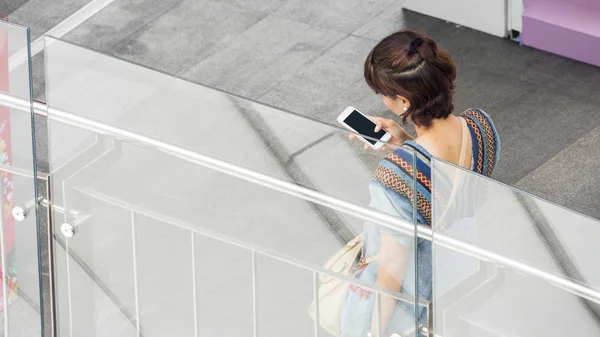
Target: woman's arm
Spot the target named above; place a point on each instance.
(393, 260)
(395, 248)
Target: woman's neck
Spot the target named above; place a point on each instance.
(438, 128)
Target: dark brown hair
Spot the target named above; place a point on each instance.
(410, 64)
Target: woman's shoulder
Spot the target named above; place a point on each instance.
(396, 175)
(396, 165)
(474, 112)
(486, 139)
(403, 159)
(480, 117)
(397, 170)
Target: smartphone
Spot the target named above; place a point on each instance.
(361, 124)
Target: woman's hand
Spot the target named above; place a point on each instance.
(399, 135)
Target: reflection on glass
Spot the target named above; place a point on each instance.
(283, 294)
(202, 120)
(106, 290)
(224, 288)
(507, 263)
(20, 303)
(159, 158)
(124, 268)
(164, 278)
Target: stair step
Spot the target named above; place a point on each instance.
(565, 28)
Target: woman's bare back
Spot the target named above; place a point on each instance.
(444, 140)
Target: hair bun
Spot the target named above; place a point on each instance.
(425, 48)
(413, 45)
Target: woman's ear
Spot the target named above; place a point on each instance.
(402, 100)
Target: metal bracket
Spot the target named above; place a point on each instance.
(20, 213)
(68, 230)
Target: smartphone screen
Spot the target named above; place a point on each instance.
(364, 126)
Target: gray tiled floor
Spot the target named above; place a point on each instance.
(10, 6)
(540, 121)
(264, 56)
(570, 177)
(117, 22)
(177, 33)
(340, 70)
(339, 15)
(42, 15)
(395, 17)
(266, 6)
(306, 56)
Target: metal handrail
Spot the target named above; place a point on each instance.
(301, 192)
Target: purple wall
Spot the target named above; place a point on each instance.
(570, 28)
(585, 3)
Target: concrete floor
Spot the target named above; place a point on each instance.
(306, 56)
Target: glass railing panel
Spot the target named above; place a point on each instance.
(20, 277)
(177, 157)
(108, 264)
(507, 263)
(200, 119)
(92, 275)
(284, 289)
(164, 272)
(224, 295)
(283, 292)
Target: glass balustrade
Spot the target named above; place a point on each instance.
(20, 276)
(177, 209)
(189, 211)
(509, 264)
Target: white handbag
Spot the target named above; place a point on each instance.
(346, 261)
(332, 290)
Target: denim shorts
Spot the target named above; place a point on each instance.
(358, 305)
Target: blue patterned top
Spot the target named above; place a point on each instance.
(392, 192)
(395, 173)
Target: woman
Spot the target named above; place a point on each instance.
(416, 80)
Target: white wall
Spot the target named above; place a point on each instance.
(487, 16)
(515, 15)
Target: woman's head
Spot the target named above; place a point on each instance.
(415, 77)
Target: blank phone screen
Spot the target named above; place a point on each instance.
(364, 126)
